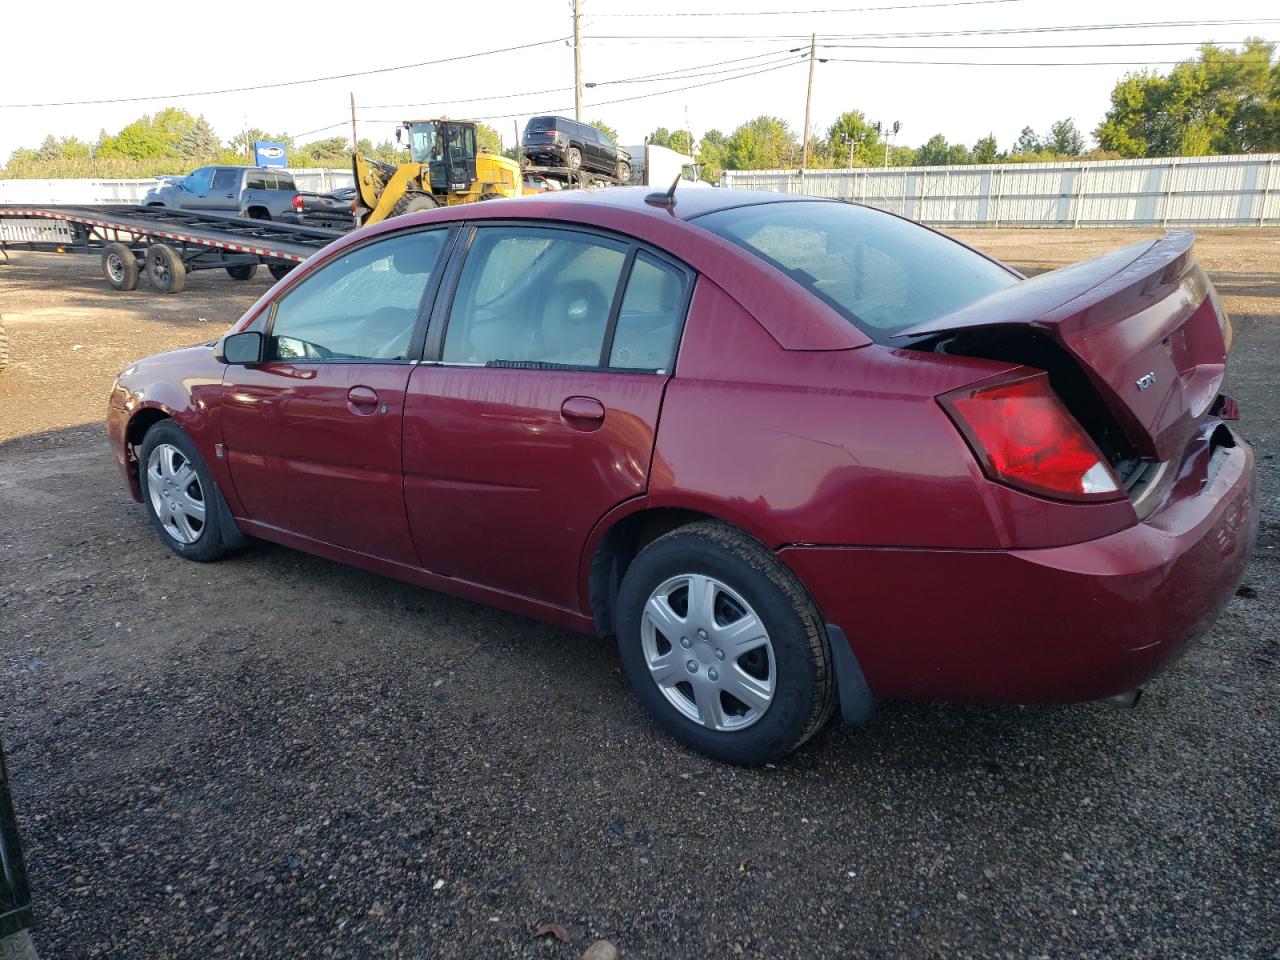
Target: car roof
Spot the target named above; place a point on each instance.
(791, 314)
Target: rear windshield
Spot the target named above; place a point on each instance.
(882, 273)
(540, 124)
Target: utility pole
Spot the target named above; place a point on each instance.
(354, 141)
(515, 126)
(577, 60)
(808, 99)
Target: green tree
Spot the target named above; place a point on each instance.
(677, 140)
(605, 129)
(487, 138)
(200, 142)
(765, 143)
(986, 150)
(1028, 142)
(1224, 101)
(150, 136)
(711, 155)
(851, 131)
(1064, 139)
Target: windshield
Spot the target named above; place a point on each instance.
(882, 273)
(423, 147)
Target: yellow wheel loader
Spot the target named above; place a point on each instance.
(444, 168)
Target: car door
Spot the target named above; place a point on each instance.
(535, 411)
(224, 192)
(312, 436)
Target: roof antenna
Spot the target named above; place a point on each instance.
(667, 199)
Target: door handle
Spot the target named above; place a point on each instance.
(362, 401)
(583, 413)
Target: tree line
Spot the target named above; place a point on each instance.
(1221, 101)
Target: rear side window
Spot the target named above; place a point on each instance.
(256, 181)
(361, 306)
(284, 183)
(531, 295)
(650, 318)
(882, 273)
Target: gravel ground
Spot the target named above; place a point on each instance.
(277, 756)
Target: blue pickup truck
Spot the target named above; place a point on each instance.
(260, 193)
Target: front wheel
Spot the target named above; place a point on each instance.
(623, 172)
(120, 266)
(723, 645)
(180, 497)
(412, 203)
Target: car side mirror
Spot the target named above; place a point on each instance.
(244, 348)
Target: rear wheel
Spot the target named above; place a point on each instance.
(573, 158)
(412, 203)
(279, 270)
(623, 172)
(120, 266)
(165, 268)
(243, 271)
(723, 645)
(180, 496)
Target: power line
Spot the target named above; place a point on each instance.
(285, 83)
(678, 73)
(990, 31)
(1029, 46)
(827, 10)
(1013, 63)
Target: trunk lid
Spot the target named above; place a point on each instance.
(1143, 323)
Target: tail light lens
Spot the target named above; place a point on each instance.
(1023, 436)
(297, 202)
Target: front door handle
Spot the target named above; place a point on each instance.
(362, 401)
(583, 413)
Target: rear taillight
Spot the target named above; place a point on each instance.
(297, 202)
(1022, 435)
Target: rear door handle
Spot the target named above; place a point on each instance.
(584, 413)
(362, 401)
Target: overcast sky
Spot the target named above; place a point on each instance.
(84, 50)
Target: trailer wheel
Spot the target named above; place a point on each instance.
(4, 348)
(279, 270)
(165, 268)
(243, 271)
(120, 266)
(412, 203)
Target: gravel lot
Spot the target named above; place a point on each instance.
(277, 756)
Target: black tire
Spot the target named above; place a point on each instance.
(4, 348)
(218, 536)
(623, 172)
(243, 271)
(412, 203)
(573, 158)
(165, 268)
(120, 266)
(279, 270)
(804, 680)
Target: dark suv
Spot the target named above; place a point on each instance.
(560, 142)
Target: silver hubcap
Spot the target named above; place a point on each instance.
(176, 494)
(708, 652)
(115, 266)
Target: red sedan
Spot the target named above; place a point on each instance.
(793, 453)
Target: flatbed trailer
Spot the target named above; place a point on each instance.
(572, 177)
(164, 244)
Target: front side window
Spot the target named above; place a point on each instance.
(197, 181)
(532, 295)
(361, 306)
(225, 180)
(882, 273)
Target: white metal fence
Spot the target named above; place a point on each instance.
(1173, 191)
(93, 192)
